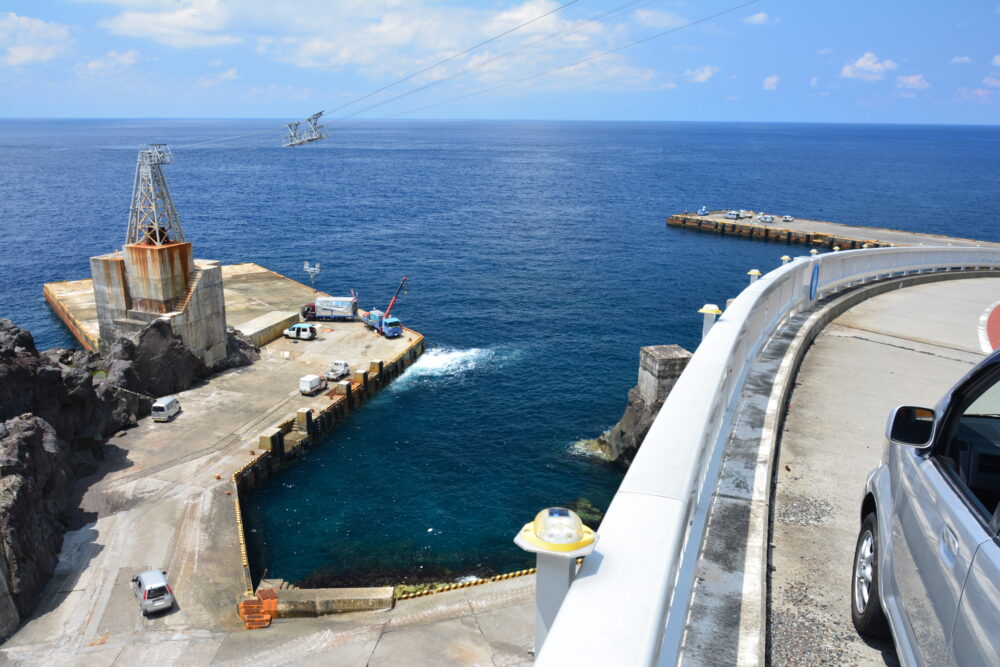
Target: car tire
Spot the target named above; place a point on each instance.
(866, 603)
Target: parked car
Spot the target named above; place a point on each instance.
(310, 384)
(164, 409)
(927, 559)
(732, 215)
(763, 217)
(787, 218)
(337, 370)
(301, 331)
(152, 591)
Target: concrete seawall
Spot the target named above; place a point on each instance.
(815, 232)
(283, 443)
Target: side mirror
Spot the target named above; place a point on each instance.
(912, 426)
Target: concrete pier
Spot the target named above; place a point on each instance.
(258, 301)
(815, 232)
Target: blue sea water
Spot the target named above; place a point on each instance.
(539, 263)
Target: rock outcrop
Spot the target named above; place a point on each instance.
(35, 483)
(57, 407)
(659, 368)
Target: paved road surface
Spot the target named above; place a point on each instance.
(904, 347)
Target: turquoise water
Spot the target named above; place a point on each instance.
(539, 264)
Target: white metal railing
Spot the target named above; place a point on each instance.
(618, 610)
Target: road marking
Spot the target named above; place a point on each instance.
(989, 328)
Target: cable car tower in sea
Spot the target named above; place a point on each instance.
(314, 132)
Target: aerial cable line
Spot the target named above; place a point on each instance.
(502, 56)
(562, 67)
(394, 83)
(451, 57)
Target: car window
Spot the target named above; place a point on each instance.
(971, 450)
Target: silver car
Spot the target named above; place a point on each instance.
(152, 591)
(927, 560)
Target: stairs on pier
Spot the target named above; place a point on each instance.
(192, 285)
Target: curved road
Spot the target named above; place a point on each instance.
(908, 346)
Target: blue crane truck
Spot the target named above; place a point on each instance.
(390, 327)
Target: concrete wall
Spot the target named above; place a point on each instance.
(262, 330)
(110, 293)
(659, 368)
(202, 324)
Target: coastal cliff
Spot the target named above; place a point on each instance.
(57, 407)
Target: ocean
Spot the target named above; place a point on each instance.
(539, 263)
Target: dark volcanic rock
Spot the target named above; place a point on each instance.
(240, 351)
(162, 363)
(59, 406)
(35, 481)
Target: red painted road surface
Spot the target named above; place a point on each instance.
(993, 327)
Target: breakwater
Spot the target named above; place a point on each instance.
(813, 232)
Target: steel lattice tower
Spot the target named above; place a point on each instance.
(152, 217)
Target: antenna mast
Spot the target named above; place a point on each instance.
(152, 218)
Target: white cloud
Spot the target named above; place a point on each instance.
(771, 82)
(385, 39)
(814, 81)
(25, 40)
(652, 18)
(218, 62)
(991, 82)
(912, 82)
(760, 18)
(976, 95)
(184, 23)
(996, 60)
(213, 80)
(867, 68)
(701, 74)
(825, 52)
(961, 60)
(112, 63)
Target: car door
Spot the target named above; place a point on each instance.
(941, 517)
(977, 627)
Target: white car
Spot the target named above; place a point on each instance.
(927, 560)
(152, 591)
(300, 331)
(787, 218)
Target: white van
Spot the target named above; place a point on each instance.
(732, 215)
(763, 217)
(165, 408)
(310, 384)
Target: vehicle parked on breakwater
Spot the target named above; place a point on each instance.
(311, 384)
(152, 591)
(164, 409)
(337, 370)
(331, 308)
(390, 327)
(927, 559)
(300, 331)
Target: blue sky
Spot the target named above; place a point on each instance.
(773, 60)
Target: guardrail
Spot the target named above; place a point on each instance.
(629, 602)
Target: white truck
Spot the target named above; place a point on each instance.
(331, 308)
(310, 384)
